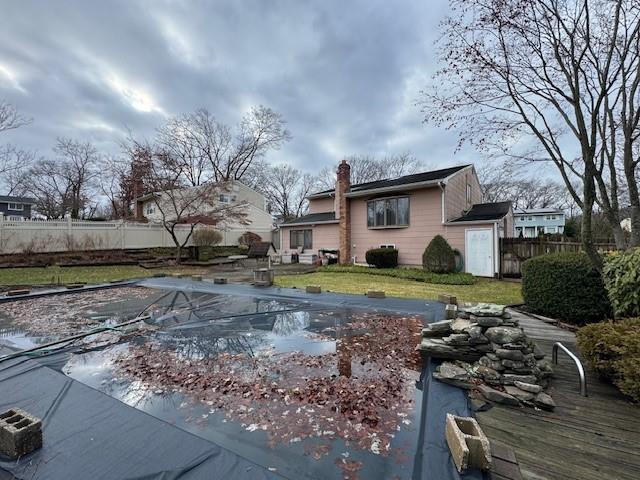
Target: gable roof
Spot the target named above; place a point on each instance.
(485, 211)
(260, 249)
(536, 211)
(10, 199)
(432, 176)
(324, 217)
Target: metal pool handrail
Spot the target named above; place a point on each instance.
(576, 360)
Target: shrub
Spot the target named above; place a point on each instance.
(621, 275)
(248, 238)
(612, 349)
(439, 257)
(382, 257)
(565, 285)
(206, 237)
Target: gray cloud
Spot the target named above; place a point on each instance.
(345, 75)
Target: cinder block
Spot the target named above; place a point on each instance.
(13, 293)
(450, 311)
(447, 299)
(220, 281)
(314, 289)
(375, 294)
(468, 444)
(20, 433)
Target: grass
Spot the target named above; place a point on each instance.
(415, 274)
(55, 274)
(483, 290)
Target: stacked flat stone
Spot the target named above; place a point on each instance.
(493, 355)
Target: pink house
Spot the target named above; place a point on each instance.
(403, 213)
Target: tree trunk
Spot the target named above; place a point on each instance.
(587, 213)
(178, 253)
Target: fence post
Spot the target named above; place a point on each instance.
(1, 232)
(123, 234)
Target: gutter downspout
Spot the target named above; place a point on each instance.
(442, 200)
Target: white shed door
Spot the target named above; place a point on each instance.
(479, 251)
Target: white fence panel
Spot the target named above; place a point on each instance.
(34, 236)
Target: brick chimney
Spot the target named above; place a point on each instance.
(343, 214)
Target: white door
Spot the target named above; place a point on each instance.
(478, 244)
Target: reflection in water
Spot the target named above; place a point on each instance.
(313, 392)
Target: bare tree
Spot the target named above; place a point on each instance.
(10, 118)
(205, 149)
(78, 166)
(286, 189)
(535, 81)
(509, 183)
(14, 168)
(181, 205)
(13, 161)
(65, 184)
(367, 168)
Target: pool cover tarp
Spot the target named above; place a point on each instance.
(89, 435)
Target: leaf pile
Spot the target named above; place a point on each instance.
(362, 394)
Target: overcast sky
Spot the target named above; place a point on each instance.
(345, 74)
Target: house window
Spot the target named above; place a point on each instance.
(301, 239)
(522, 219)
(151, 209)
(530, 219)
(548, 217)
(388, 245)
(468, 193)
(553, 217)
(18, 207)
(224, 198)
(388, 212)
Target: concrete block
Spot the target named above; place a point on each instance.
(468, 444)
(450, 311)
(20, 433)
(314, 289)
(375, 294)
(13, 293)
(220, 281)
(196, 278)
(447, 299)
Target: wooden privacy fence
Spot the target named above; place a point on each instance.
(65, 235)
(514, 251)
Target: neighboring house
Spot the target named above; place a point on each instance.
(16, 208)
(260, 221)
(529, 223)
(403, 213)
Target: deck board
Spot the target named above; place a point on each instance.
(588, 438)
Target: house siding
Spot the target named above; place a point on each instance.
(324, 237)
(25, 213)
(425, 222)
(321, 205)
(456, 193)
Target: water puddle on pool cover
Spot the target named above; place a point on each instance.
(306, 391)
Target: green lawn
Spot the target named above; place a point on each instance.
(484, 290)
(54, 275)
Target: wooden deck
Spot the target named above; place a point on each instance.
(597, 437)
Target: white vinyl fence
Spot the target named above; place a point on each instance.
(33, 236)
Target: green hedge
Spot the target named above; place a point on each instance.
(439, 257)
(405, 273)
(566, 286)
(382, 257)
(621, 276)
(613, 350)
